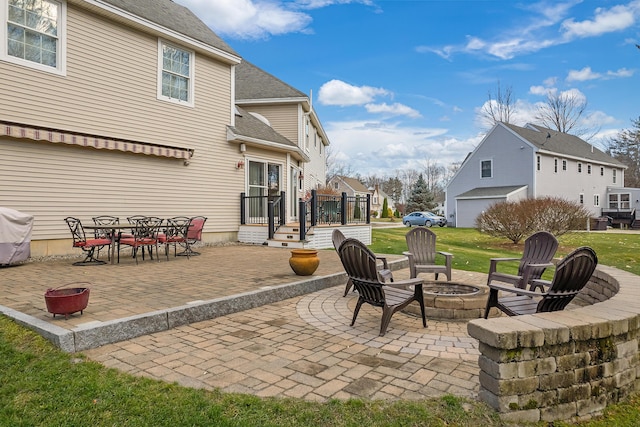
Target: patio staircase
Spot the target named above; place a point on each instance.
(288, 236)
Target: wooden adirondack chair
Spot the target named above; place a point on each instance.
(539, 249)
(361, 266)
(571, 275)
(422, 253)
(337, 237)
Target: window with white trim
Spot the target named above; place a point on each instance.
(614, 175)
(579, 167)
(555, 165)
(620, 201)
(601, 171)
(581, 199)
(596, 200)
(486, 168)
(588, 169)
(538, 160)
(564, 164)
(175, 74)
(34, 34)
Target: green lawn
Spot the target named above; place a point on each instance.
(41, 386)
(471, 249)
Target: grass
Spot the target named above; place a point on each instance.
(471, 249)
(42, 386)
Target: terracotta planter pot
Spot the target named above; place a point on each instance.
(304, 262)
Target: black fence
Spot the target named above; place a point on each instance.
(319, 209)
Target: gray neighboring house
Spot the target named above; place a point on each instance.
(512, 163)
(351, 186)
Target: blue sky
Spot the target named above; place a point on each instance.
(399, 83)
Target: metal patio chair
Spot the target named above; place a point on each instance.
(89, 246)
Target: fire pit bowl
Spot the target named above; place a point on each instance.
(66, 301)
(452, 300)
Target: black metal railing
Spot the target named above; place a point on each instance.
(263, 210)
(319, 209)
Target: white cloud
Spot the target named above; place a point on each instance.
(605, 21)
(547, 20)
(337, 92)
(622, 72)
(248, 19)
(394, 109)
(538, 90)
(582, 75)
(375, 147)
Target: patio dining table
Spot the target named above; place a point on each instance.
(116, 231)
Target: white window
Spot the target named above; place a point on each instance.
(33, 34)
(596, 200)
(581, 199)
(555, 165)
(564, 165)
(175, 74)
(538, 166)
(601, 171)
(486, 169)
(589, 169)
(579, 167)
(614, 175)
(620, 201)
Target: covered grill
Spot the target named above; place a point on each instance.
(15, 236)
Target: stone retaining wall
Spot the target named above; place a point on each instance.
(564, 365)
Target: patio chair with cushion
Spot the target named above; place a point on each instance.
(539, 249)
(89, 246)
(337, 237)
(571, 275)
(422, 253)
(106, 233)
(361, 266)
(174, 233)
(145, 235)
(194, 235)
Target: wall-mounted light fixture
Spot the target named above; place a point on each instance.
(243, 148)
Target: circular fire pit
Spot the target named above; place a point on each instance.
(452, 300)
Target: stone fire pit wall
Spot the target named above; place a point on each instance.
(565, 365)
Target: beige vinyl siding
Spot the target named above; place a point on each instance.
(110, 90)
(283, 118)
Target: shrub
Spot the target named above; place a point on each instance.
(385, 209)
(516, 220)
(374, 214)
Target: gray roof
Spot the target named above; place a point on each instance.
(175, 17)
(248, 125)
(355, 184)
(561, 143)
(490, 192)
(255, 83)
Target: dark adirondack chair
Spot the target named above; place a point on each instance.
(361, 266)
(539, 249)
(422, 253)
(571, 275)
(337, 237)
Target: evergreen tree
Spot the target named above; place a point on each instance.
(385, 209)
(421, 198)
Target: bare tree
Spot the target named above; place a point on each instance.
(334, 166)
(500, 107)
(562, 112)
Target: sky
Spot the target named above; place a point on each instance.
(398, 84)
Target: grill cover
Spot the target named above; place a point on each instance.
(15, 236)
